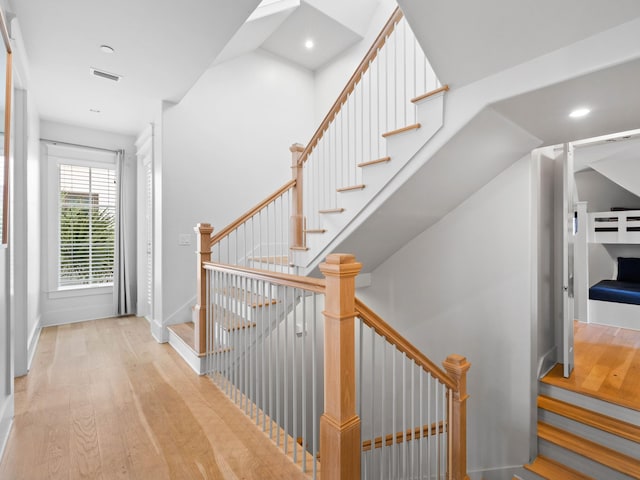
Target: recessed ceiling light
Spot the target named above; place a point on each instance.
(94, 110)
(579, 112)
(106, 49)
(309, 44)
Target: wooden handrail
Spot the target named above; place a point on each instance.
(247, 215)
(396, 16)
(309, 284)
(382, 328)
(410, 434)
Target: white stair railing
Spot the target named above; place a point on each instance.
(265, 351)
(261, 237)
(376, 103)
(287, 351)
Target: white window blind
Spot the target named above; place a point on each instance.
(87, 210)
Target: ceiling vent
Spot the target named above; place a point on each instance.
(102, 74)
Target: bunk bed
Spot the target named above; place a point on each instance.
(616, 301)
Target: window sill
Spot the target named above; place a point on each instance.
(81, 291)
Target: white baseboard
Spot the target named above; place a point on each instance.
(33, 342)
(158, 331)
(501, 473)
(196, 363)
(548, 361)
(75, 315)
(6, 422)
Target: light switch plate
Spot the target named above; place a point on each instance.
(184, 239)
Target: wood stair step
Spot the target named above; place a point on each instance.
(185, 332)
(331, 210)
(375, 162)
(315, 230)
(552, 470)
(252, 299)
(271, 260)
(419, 98)
(591, 450)
(300, 249)
(415, 126)
(591, 418)
(350, 188)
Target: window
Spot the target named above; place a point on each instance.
(86, 221)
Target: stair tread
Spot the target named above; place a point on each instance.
(252, 299)
(332, 210)
(401, 130)
(315, 230)
(591, 450)
(591, 418)
(350, 188)
(444, 88)
(272, 259)
(377, 161)
(552, 470)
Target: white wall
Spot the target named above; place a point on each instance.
(464, 286)
(601, 193)
(88, 304)
(225, 147)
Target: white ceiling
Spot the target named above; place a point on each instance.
(306, 22)
(150, 38)
(469, 40)
(163, 47)
(613, 95)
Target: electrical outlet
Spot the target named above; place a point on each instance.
(184, 239)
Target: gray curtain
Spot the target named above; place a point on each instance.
(122, 278)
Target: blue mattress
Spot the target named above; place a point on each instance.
(616, 291)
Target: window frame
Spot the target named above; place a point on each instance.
(69, 155)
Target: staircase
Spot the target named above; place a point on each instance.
(582, 437)
(322, 375)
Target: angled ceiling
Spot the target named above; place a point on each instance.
(282, 27)
(466, 40)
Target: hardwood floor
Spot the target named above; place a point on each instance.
(103, 400)
(607, 365)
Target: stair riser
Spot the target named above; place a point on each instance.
(605, 408)
(578, 462)
(614, 442)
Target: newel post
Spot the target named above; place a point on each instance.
(203, 254)
(457, 367)
(339, 424)
(297, 214)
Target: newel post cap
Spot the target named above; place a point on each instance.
(341, 264)
(296, 147)
(203, 228)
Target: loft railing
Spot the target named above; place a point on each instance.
(350, 398)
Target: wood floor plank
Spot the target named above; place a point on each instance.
(105, 400)
(607, 365)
